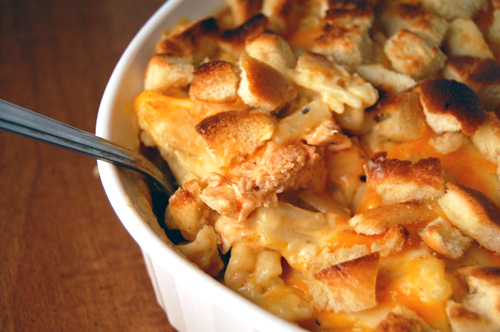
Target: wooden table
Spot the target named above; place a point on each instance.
(66, 262)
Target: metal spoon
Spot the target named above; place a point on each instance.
(19, 120)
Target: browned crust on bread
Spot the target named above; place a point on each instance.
(443, 97)
(487, 274)
(236, 133)
(475, 71)
(234, 39)
(215, 81)
(243, 10)
(382, 172)
(193, 43)
(262, 85)
(349, 11)
(394, 322)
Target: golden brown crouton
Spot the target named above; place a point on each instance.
(487, 138)
(273, 50)
(243, 10)
(414, 17)
(403, 181)
(398, 118)
(379, 219)
(402, 319)
(384, 79)
(165, 72)
(474, 214)
(233, 41)
(284, 15)
(215, 82)
(347, 285)
(451, 9)
(451, 106)
(444, 239)
(393, 241)
(481, 75)
(235, 134)
(463, 319)
(194, 43)
(409, 54)
(359, 12)
(263, 86)
(465, 38)
(204, 252)
(348, 44)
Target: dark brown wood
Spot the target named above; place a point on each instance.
(66, 262)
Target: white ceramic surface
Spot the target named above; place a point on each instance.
(192, 300)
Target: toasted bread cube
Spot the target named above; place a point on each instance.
(204, 252)
(464, 38)
(414, 17)
(273, 50)
(444, 239)
(284, 15)
(481, 75)
(243, 10)
(378, 220)
(359, 12)
(337, 87)
(402, 319)
(215, 82)
(451, 9)
(451, 106)
(165, 72)
(409, 54)
(233, 40)
(385, 79)
(393, 241)
(448, 142)
(235, 134)
(348, 44)
(403, 181)
(340, 284)
(479, 311)
(193, 43)
(474, 214)
(263, 86)
(398, 118)
(487, 138)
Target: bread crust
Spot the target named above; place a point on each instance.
(215, 81)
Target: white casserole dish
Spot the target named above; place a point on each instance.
(192, 300)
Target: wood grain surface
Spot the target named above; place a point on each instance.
(66, 262)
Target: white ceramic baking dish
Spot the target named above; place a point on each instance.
(192, 300)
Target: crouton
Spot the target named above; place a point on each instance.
(414, 17)
(348, 285)
(402, 319)
(273, 50)
(398, 118)
(328, 133)
(194, 43)
(474, 214)
(263, 86)
(480, 310)
(409, 54)
(165, 72)
(347, 44)
(481, 75)
(233, 40)
(448, 142)
(204, 252)
(215, 82)
(243, 10)
(403, 181)
(451, 9)
(464, 38)
(186, 211)
(386, 80)
(283, 15)
(487, 138)
(393, 241)
(337, 87)
(444, 239)
(358, 12)
(379, 219)
(235, 134)
(451, 106)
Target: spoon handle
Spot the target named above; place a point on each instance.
(19, 120)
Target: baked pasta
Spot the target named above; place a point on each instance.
(337, 160)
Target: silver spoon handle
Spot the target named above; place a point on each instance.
(19, 120)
